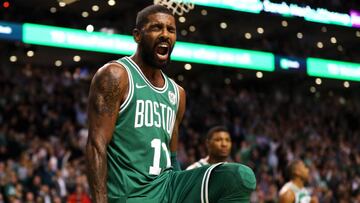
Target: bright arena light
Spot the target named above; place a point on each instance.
(13, 58)
(62, 4)
(312, 89)
(182, 19)
(299, 35)
(333, 40)
(204, 12)
(111, 2)
(95, 8)
(77, 58)
(247, 35)
(184, 32)
(223, 25)
(90, 28)
(53, 10)
(260, 30)
(320, 45)
(58, 63)
(30, 53)
(259, 74)
(85, 14)
(318, 81)
(187, 66)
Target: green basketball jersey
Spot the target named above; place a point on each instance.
(139, 150)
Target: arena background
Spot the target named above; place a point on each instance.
(281, 102)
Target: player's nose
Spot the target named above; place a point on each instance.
(224, 143)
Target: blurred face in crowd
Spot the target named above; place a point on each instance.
(156, 39)
(30, 196)
(57, 200)
(302, 171)
(219, 145)
(37, 180)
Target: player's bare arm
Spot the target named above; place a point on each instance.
(314, 199)
(107, 90)
(179, 117)
(287, 197)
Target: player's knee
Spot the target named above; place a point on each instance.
(244, 176)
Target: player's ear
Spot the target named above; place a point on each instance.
(137, 35)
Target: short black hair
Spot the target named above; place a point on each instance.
(291, 168)
(142, 16)
(215, 129)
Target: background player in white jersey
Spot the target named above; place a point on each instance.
(294, 191)
(218, 143)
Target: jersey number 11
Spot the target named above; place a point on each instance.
(157, 145)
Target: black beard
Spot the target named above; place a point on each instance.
(147, 54)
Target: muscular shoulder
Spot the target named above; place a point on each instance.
(181, 91)
(111, 72)
(287, 196)
(182, 102)
(109, 86)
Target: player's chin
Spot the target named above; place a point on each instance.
(161, 64)
(224, 155)
(306, 179)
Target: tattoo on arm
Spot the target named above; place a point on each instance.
(104, 103)
(97, 171)
(107, 88)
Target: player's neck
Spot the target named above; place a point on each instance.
(152, 74)
(298, 182)
(214, 160)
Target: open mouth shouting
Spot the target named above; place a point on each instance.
(162, 51)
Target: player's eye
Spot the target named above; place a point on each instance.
(155, 27)
(171, 29)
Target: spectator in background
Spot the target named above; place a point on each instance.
(79, 196)
(218, 143)
(294, 191)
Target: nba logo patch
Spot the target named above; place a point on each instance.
(172, 98)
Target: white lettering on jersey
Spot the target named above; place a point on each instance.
(139, 114)
(149, 114)
(157, 123)
(163, 106)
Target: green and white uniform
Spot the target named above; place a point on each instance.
(200, 163)
(139, 149)
(302, 195)
(139, 166)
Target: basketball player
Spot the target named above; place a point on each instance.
(218, 143)
(134, 114)
(294, 190)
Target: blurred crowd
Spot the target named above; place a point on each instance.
(43, 131)
(42, 136)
